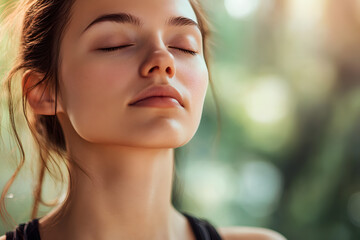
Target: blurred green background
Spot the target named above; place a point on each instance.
(286, 73)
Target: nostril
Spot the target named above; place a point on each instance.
(168, 70)
(152, 69)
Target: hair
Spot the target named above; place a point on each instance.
(42, 28)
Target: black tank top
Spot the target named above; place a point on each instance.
(202, 230)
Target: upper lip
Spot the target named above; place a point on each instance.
(158, 91)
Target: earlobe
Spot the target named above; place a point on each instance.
(38, 95)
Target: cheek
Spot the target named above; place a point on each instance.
(106, 74)
(91, 90)
(197, 79)
(95, 80)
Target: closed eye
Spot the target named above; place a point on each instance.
(111, 49)
(185, 50)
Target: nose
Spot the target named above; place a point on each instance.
(158, 61)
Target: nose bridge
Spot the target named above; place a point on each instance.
(157, 60)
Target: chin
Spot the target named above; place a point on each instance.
(165, 134)
(168, 141)
(160, 139)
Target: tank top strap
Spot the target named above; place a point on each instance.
(25, 231)
(203, 229)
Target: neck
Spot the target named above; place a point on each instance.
(125, 194)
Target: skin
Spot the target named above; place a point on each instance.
(127, 151)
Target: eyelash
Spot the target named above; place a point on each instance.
(111, 49)
(185, 51)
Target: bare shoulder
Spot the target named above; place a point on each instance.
(249, 233)
(3, 237)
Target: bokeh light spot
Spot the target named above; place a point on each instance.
(241, 8)
(267, 101)
(260, 186)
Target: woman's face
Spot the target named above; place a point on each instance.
(105, 65)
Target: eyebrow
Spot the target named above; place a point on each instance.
(128, 18)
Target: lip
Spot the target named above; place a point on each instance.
(158, 91)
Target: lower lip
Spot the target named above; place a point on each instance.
(159, 102)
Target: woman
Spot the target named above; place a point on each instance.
(113, 87)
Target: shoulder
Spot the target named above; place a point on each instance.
(3, 237)
(249, 233)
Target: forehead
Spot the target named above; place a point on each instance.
(85, 11)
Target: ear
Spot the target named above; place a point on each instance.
(40, 98)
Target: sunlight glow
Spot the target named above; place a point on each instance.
(305, 14)
(267, 101)
(241, 8)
